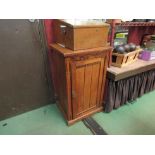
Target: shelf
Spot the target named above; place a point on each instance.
(136, 24)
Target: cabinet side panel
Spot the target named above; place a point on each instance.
(54, 72)
(96, 37)
(68, 87)
(60, 82)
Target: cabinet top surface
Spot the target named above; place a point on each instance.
(67, 52)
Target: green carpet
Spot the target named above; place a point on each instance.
(131, 119)
(135, 119)
(42, 121)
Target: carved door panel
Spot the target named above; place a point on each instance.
(87, 79)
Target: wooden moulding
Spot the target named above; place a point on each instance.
(125, 59)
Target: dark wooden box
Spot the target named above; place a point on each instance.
(84, 35)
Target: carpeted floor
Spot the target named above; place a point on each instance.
(135, 119)
(45, 120)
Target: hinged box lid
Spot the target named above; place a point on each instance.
(78, 23)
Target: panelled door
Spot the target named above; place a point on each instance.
(87, 78)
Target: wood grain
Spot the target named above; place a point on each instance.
(87, 85)
(94, 84)
(95, 36)
(80, 80)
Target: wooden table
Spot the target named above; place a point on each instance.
(126, 84)
(135, 68)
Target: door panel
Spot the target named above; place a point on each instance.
(80, 79)
(94, 84)
(87, 85)
(86, 80)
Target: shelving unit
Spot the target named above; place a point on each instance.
(136, 24)
(135, 29)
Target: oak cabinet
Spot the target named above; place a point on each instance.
(79, 79)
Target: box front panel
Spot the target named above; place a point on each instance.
(85, 38)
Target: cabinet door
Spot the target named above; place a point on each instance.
(87, 82)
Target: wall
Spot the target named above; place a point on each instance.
(24, 73)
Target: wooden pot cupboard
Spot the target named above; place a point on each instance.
(79, 79)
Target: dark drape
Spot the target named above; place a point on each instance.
(127, 90)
